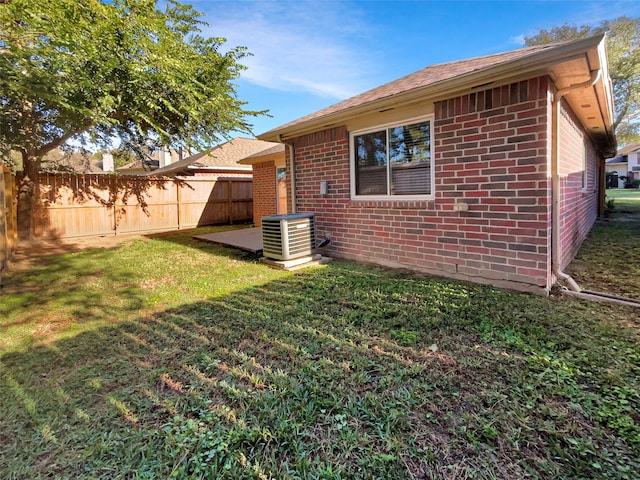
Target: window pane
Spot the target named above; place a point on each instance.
(410, 159)
(371, 163)
(281, 181)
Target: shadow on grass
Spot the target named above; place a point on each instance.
(92, 287)
(337, 372)
(185, 238)
(78, 288)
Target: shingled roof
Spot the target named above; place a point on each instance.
(222, 157)
(443, 79)
(629, 149)
(427, 76)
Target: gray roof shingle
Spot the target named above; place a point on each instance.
(430, 75)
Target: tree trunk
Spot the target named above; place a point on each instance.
(28, 197)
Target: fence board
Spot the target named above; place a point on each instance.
(8, 222)
(4, 213)
(84, 205)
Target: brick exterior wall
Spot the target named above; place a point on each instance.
(492, 152)
(264, 191)
(579, 192)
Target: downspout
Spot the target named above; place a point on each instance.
(292, 174)
(555, 178)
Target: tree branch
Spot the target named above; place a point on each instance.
(44, 149)
(620, 116)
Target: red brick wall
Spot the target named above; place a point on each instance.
(264, 191)
(491, 152)
(579, 204)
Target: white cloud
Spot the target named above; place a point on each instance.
(518, 40)
(296, 46)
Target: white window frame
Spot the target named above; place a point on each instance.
(278, 170)
(387, 126)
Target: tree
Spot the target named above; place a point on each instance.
(92, 70)
(623, 50)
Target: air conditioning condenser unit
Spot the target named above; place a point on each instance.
(288, 236)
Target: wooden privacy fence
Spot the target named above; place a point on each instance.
(8, 225)
(83, 205)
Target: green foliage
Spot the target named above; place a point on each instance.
(119, 68)
(623, 50)
(98, 69)
(404, 337)
(630, 182)
(609, 205)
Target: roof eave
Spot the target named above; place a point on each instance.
(221, 167)
(262, 158)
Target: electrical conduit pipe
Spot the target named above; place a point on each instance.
(292, 173)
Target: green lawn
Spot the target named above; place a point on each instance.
(626, 201)
(609, 261)
(169, 358)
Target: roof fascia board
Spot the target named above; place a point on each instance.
(262, 158)
(221, 168)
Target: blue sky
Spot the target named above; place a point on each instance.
(307, 55)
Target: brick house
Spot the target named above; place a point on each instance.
(221, 161)
(269, 182)
(262, 161)
(489, 169)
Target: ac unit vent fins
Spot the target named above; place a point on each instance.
(289, 236)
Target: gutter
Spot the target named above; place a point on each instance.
(292, 170)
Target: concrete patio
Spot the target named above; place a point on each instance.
(249, 239)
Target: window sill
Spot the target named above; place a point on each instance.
(392, 203)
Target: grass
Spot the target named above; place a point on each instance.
(610, 260)
(169, 358)
(623, 193)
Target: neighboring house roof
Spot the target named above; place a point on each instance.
(623, 154)
(70, 162)
(616, 160)
(139, 165)
(89, 165)
(143, 167)
(629, 149)
(224, 157)
(569, 63)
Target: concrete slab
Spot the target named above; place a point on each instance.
(297, 263)
(249, 239)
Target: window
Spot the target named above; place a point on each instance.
(281, 190)
(585, 168)
(393, 161)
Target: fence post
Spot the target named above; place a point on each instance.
(230, 201)
(179, 198)
(12, 206)
(4, 234)
(113, 186)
